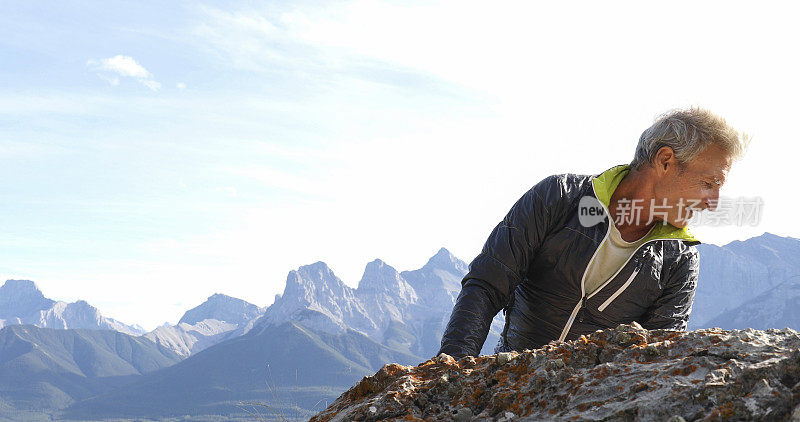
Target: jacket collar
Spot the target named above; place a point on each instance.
(606, 183)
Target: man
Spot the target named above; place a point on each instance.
(580, 253)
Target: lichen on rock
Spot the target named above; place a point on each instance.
(621, 374)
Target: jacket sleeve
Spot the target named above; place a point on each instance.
(672, 309)
(472, 315)
(500, 267)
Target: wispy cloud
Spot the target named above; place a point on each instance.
(289, 41)
(112, 68)
(252, 41)
(155, 86)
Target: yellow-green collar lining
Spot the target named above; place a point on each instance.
(606, 183)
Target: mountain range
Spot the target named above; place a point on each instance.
(218, 318)
(45, 368)
(734, 277)
(21, 302)
(407, 310)
(318, 333)
(318, 337)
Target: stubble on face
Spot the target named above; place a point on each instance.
(695, 186)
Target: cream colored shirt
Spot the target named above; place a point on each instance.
(613, 253)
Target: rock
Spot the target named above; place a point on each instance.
(795, 414)
(508, 416)
(762, 388)
(623, 338)
(462, 415)
(624, 373)
(444, 358)
(504, 357)
(467, 361)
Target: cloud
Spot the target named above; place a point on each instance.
(155, 86)
(180, 85)
(110, 69)
(125, 66)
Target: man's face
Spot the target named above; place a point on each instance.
(692, 188)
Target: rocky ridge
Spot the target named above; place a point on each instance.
(737, 273)
(621, 374)
(222, 308)
(21, 302)
(218, 318)
(407, 310)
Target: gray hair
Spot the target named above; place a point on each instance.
(688, 132)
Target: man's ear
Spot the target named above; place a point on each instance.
(665, 158)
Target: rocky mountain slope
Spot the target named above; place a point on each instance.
(407, 310)
(42, 368)
(287, 364)
(218, 318)
(21, 302)
(222, 308)
(622, 374)
(733, 274)
(778, 307)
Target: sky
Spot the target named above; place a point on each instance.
(155, 153)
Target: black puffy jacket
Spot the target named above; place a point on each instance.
(534, 262)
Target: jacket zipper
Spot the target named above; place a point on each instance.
(619, 291)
